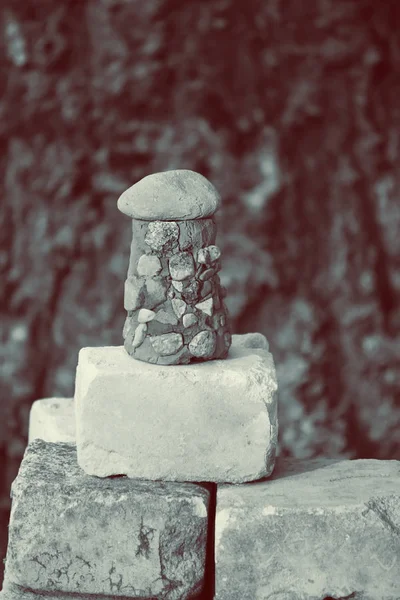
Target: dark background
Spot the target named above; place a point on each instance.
(291, 108)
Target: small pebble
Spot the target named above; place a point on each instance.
(191, 292)
(156, 291)
(145, 315)
(178, 285)
(162, 316)
(206, 306)
(206, 289)
(127, 327)
(206, 274)
(189, 320)
(167, 343)
(133, 293)
(214, 253)
(140, 334)
(203, 344)
(149, 265)
(181, 266)
(202, 256)
(179, 307)
(161, 234)
(208, 255)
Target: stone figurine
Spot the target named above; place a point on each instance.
(173, 294)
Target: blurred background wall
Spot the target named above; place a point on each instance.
(291, 108)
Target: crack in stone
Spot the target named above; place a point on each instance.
(146, 536)
(170, 584)
(383, 515)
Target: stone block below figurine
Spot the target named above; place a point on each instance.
(212, 421)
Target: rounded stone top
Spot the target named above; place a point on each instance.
(177, 195)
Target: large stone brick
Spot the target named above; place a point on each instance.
(52, 420)
(317, 530)
(212, 421)
(75, 534)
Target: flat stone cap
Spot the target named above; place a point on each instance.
(177, 195)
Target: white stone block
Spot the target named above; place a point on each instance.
(52, 420)
(211, 421)
(318, 529)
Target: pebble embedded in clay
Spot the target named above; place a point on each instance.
(179, 307)
(140, 334)
(145, 315)
(206, 274)
(166, 344)
(189, 320)
(181, 266)
(208, 255)
(161, 235)
(203, 344)
(156, 291)
(191, 292)
(133, 293)
(148, 265)
(166, 317)
(206, 306)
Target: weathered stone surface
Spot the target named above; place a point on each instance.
(172, 195)
(52, 420)
(181, 266)
(318, 529)
(148, 265)
(72, 533)
(133, 296)
(203, 344)
(189, 320)
(212, 421)
(167, 343)
(161, 235)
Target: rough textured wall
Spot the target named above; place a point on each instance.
(291, 109)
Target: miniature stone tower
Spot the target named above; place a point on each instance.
(173, 295)
(316, 530)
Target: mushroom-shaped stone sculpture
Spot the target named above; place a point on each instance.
(173, 294)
